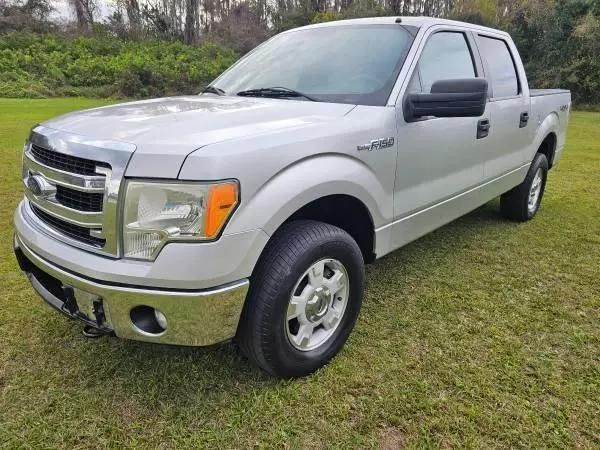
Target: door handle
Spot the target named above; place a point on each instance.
(523, 119)
(483, 128)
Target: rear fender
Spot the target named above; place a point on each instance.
(549, 125)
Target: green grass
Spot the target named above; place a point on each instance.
(485, 333)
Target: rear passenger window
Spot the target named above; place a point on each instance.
(446, 56)
(501, 65)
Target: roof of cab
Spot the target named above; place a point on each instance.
(410, 20)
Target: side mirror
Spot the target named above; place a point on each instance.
(449, 98)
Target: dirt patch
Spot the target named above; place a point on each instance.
(391, 438)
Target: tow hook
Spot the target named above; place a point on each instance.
(93, 332)
(89, 331)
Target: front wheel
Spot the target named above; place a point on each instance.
(523, 201)
(304, 298)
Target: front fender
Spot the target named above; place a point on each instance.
(307, 180)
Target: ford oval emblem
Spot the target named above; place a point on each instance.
(35, 185)
(40, 187)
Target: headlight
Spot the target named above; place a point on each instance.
(157, 212)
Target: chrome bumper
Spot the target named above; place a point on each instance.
(195, 318)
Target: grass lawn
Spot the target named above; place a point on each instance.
(485, 333)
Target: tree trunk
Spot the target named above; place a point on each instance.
(133, 15)
(190, 32)
(83, 13)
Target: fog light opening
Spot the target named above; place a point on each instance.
(148, 320)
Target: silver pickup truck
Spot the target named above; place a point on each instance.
(248, 212)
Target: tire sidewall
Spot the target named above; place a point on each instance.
(282, 351)
(539, 162)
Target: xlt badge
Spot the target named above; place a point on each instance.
(376, 144)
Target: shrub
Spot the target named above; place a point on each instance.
(41, 65)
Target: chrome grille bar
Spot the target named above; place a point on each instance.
(85, 183)
(51, 206)
(61, 228)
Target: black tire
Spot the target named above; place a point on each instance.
(514, 204)
(262, 334)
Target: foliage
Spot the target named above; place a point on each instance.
(40, 65)
(138, 50)
(560, 45)
(241, 29)
(32, 15)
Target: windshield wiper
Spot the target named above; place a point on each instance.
(213, 90)
(275, 92)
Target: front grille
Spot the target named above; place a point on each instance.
(73, 231)
(66, 163)
(76, 200)
(69, 195)
(81, 201)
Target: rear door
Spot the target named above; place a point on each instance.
(508, 106)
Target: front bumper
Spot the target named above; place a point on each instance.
(194, 317)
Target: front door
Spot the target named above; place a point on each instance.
(438, 158)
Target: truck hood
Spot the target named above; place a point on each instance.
(166, 130)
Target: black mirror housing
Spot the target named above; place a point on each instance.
(465, 97)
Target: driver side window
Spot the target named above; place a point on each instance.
(446, 56)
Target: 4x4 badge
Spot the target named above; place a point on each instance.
(376, 144)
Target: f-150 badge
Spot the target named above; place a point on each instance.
(376, 144)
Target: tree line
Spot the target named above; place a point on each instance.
(559, 40)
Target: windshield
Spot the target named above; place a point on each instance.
(355, 64)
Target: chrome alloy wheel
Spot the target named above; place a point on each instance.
(534, 191)
(317, 305)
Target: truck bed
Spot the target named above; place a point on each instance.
(552, 103)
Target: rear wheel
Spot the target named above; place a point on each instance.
(305, 296)
(523, 201)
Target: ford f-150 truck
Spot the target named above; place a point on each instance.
(247, 212)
